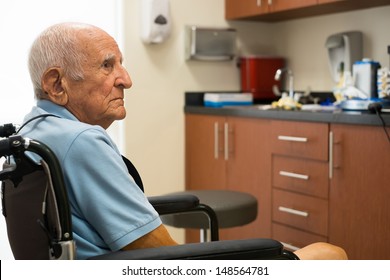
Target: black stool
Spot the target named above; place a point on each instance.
(232, 208)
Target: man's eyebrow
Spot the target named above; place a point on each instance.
(109, 56)
(112, 56)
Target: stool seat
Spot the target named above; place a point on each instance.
(232, 208)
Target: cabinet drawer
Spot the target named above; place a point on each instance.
(300, 211)
(300, 175)
(294, 239)
(300, 139)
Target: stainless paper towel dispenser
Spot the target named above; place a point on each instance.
(215, 44)
(343, 50)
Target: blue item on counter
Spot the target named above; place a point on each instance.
(218, 100)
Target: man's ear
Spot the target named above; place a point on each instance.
(52, 86)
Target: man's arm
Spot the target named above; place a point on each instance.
(156, 238)
(321, 251)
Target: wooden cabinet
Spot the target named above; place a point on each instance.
(248, 170)
(314, 181)
(300, 183)
(205, 164)
(331, 188)
(283, 5)
(230, 153)
(276, 10)
(359, 210)
(237, 8)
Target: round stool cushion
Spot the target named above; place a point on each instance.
(233, 209)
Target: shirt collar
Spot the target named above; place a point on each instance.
(55, 109)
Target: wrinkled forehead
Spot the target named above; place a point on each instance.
(97, 44)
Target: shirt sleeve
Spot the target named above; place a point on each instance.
(105, 198)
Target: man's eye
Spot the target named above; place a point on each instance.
(107, 64)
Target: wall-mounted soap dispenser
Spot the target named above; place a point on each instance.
(155, 21)
(343, 50)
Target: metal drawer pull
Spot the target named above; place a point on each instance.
(294, 175)
(289, 246)
(292, 138)
(226, 130)
(216, 140)
(293, 211)
(330, 155)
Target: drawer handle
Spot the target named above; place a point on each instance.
(289, 246)
(226, 137)
(293, 175)
(292, 138)
(293, 211)
(216, 140)
(330, 154)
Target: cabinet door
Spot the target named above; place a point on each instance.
(205, 163)
(235, 9)
(359, 210)
(283, 5)
(204, 157)
(242, 164)
(249, 170)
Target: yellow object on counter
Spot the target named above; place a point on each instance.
(286, 103)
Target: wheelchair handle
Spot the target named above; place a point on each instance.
(7, 130)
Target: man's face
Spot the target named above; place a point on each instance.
(98, 98)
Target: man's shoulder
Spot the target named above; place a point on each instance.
(60, 134)
(69, 131)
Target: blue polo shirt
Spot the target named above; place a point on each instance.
(108, 209)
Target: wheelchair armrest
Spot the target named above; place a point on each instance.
(262, 249)
(185, 203)
(169, 204)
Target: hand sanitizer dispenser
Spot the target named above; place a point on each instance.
(343, 50)
(155, 21)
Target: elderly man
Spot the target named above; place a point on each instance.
(79, 84)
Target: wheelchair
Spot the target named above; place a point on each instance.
(38, 217)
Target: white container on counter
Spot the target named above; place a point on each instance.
(365, 76)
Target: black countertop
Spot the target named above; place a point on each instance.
(194, 105)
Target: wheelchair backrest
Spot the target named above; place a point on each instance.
(22, 209)
(35, 201)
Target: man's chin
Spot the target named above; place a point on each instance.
(120, 113)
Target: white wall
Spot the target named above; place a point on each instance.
(155, 120)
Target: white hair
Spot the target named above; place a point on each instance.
(56, 46)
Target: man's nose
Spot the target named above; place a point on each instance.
(123, 78)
